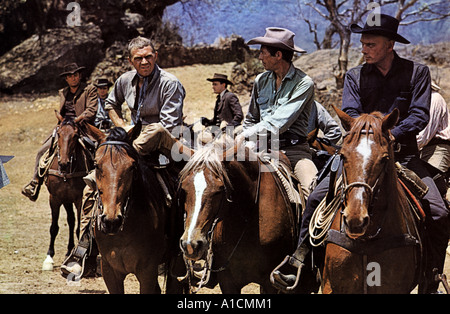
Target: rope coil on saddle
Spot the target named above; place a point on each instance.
(323, 217)
(46, 160)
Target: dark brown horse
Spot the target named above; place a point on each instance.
(64, 181)
(373, 245)
(237, 217)
(132, 217)
(323, 149)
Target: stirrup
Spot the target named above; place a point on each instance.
(291, 261)
(31, 190)
(78, 256)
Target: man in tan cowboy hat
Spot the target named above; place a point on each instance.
(102, 120)
(77, 100)
(281, 102)
(228, 110)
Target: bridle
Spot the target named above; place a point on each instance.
(125, 208)
(373, 190)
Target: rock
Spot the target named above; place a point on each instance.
(36, 63)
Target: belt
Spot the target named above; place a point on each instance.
(437, 141)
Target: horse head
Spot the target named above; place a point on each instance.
(367, 156)
(68, 135)
(116, 166)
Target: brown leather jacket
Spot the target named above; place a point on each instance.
(85, 102)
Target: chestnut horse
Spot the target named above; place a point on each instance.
(373, 244)
(237, 217)
(64, 181)
(132, 217)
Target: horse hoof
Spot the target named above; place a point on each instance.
(48, 263)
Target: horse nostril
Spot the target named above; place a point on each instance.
(365, 221)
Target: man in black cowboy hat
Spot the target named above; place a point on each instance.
(228, 110)
(102, 120)
(384, 82)
(77, 100)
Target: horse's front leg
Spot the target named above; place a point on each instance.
(71, 223)
(54, 229)
(148, 279)
(114, 281)
(228, 285)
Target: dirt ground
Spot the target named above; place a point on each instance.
(25, 122)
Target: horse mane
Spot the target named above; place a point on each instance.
(209, 157)
(68, 120)
(364, 123)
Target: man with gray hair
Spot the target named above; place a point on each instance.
(155, 98)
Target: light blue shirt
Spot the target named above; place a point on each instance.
(284, 110)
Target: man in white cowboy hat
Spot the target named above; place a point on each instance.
(281, 102)
(228, 110)
(384, 82)
(77, 100)
(102, 120)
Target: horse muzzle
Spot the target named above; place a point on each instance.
(355, 226)
(110, 226)
(193, 249)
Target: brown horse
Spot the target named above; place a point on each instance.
(64, 181)
(132, 217)
(322, 148)
(373, 245)
(237, 217)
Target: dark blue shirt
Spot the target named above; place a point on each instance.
(407, 86)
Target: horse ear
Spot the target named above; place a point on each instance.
(390, 120)
(95, 133)
(346, 120)
(59, 116)
(312, 135)
(134, 132)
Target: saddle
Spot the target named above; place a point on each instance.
(287, 182)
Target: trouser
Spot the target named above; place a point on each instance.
(45, 147)
(304, 168)
(437, 222)
(154, 137)
(437, 155)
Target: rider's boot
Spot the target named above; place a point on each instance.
(31, 190)
(287, 275)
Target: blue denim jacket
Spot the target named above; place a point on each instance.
(285, 110)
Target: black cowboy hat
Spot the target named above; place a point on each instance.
(71, 68)
(221, 78)
(102, 82)
(387, 27)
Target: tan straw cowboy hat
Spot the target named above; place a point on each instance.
(277, 37)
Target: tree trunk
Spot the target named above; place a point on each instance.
(327, 42)
(343, 57)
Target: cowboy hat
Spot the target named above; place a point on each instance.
(387, 27)
(221, 78)
(103, 82)
(277, 37)
(71, 68)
